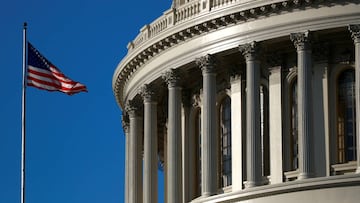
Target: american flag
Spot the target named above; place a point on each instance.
(44, 75)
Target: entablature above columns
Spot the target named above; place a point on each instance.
(275, 52)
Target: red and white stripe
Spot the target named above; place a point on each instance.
(53, 80)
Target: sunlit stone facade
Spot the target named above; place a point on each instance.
(244, 101)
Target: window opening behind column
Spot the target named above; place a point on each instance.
(346, 119)
(264, 127)
(294, 146)
(225, 142)
(198, 133)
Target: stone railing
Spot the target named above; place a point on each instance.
(221, 3)
(160, 24)
(168, 19)
(188, 10)
(149, 31)
(185, 13)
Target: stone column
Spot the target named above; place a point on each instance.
(275, 124)
(236, 133)
(355, 34)
(135, 192)
(150, 144)
(305, 120)
(174, 160)
(253, 137)
(126, 127)
(209, 145)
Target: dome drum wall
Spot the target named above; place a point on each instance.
(279, 64)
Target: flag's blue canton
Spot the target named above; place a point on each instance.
(44, 75)
(35, 59)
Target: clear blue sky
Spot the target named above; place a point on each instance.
(75, 144)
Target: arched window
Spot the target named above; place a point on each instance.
(198, 133)
(346, 135)
(225, 142)
(294, 155)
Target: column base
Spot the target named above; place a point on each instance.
(250, 184)
(207, 194)
(357, 170)
(303, 176)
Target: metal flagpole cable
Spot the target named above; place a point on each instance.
(23, 115)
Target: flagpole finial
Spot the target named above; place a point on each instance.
(25, 24)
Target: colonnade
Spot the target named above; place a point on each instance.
(141, 179)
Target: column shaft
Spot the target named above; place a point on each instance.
(125, 122)
(150, 146)
(209, 146)
(253, 137)
(209, 135)
(135, 192)
(174, 146)
(305, 133)
(253, 123)
(174, 158)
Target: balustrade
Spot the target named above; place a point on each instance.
(182, 13)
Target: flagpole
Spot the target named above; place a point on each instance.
(23, 115)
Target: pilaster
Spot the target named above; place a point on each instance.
(236, 132)
(276, 124)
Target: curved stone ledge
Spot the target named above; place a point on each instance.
(279, 191)
(149, 45)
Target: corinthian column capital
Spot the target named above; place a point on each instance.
(250, 50)
(125, 122)
(133, 108)
(301, 40)
(355, 32)
(206, 63)
(172, 77)
(147, 91)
